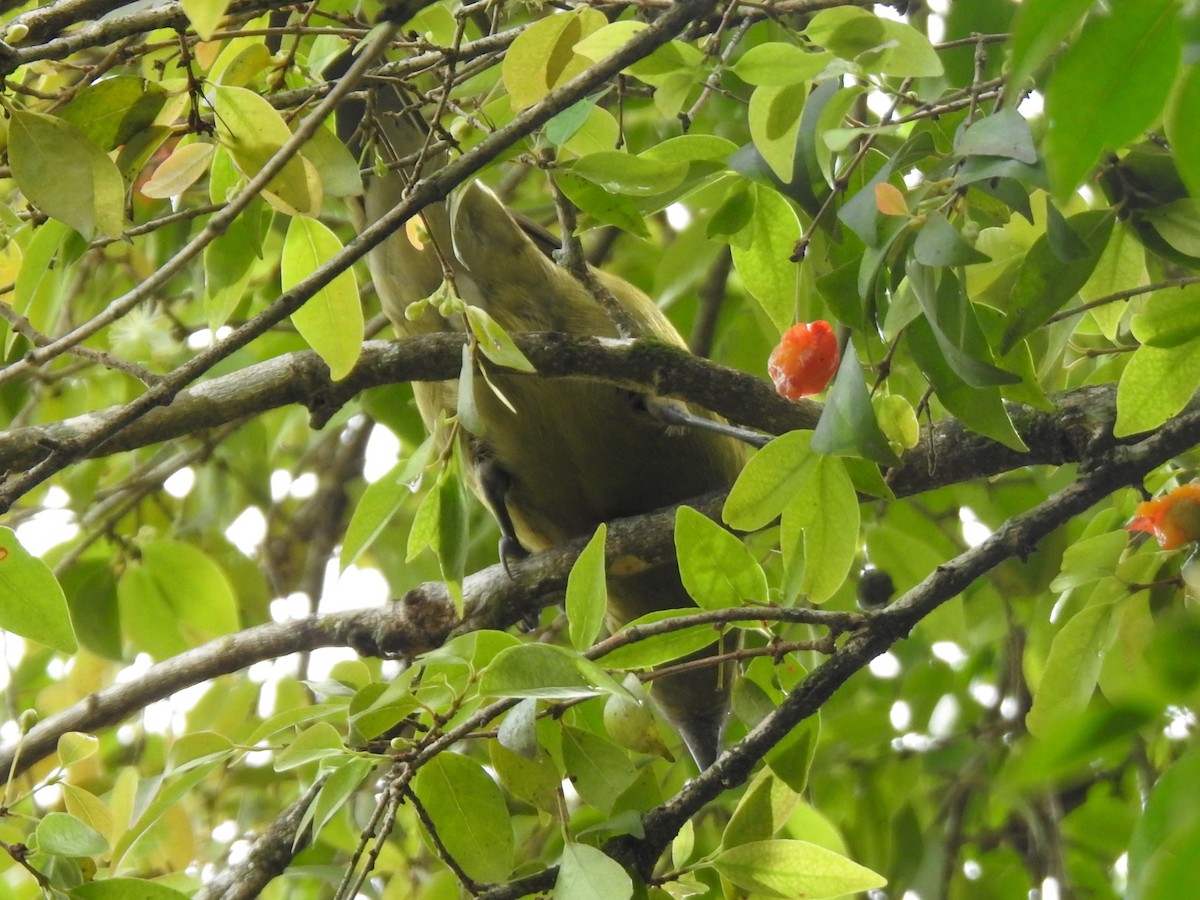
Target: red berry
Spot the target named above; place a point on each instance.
(805, 360)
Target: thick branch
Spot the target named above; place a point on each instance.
(1079, 430)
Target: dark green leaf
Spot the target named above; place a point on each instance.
(1093, 105)
(1004, 133)
(939, 243)
(1044, 283)
(847, 426)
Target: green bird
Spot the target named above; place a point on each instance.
(556, 456)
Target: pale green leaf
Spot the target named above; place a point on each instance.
(769, 481)
(1156, 384)
(764, 263)
(61, 834)
(783, 868)
(778, 63)
(1072, 667)
(317, 742)
(75, 746)
(331, 321)
(38, 289)
(586, 873)
(205, 15)
(587, 593)
(32, 603)
(179, 171)
(543, 56)
(824, 510)
(536, 670)
(253, 131)
(495, 342)
(717, 569)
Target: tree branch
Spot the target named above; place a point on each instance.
(1078, 430)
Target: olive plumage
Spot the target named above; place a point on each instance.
(557, 456)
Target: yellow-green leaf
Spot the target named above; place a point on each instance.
(65, 175)
(331, 320)
(32, 603)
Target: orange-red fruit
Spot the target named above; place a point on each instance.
(805, 360)
(1173, 519)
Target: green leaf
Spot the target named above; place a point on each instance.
(847, 426)
(981, 409)
(1045, 282)
(331, 321)
(37, 292)
(253, 131)
(774, 117)
(536, 670)
(65, 175)
(340, 786)
(468, 812)
(1122, 266)
(877, 44)
(125, 889)
(379, 503)
(177, 598)
(611, 209)
(763, 809)
(88, 808)
(1156, 384)
(939, 243)
(1183, 129)
(543, 56)
(317, 742)
(587, 593)
(114, 110)
(793, 869)
(495, 342)
(717, 569)
(1072, 667)
(624, 173)
(769, 481)
(205, 15)
(1038, 28)
(1093, 105)
(600, 770)
(1166, 839)
(792, 758)
(62, 834)
(535, 780)
(1004, 133)
(824, 511)
(764, 263)
(960, 337)
(75, 746)
(776, 63)
(662, 648)
(32, 603)
(334, 163)
(586, 873)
